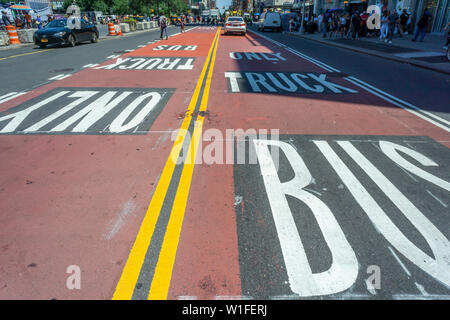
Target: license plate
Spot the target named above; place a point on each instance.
(44, 40)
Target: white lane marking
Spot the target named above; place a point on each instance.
(418, 114)
(10, 96)
(421, 289)
(381, 94)
(406, 104)
(90, 65)
(420, 297)
(60, 77)
(437, 199)
(399, 261)
(113, 56)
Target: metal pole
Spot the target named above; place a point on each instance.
(303, 18)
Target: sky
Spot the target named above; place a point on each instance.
(221, 3)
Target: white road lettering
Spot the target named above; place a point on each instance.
(18, 117)
(93, 112)
(118, 125)
(344, 267)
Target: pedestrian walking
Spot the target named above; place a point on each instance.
(422, 26)
(404, 17)
(28, 20)
(384, 25)
(320, 21)
(334, 26)
(182, 23)
(342, 25)
(291, 24)
(39, 22)
(364, 17)
(393, 19)
(326, 23)
(356, 22)
(163, 25)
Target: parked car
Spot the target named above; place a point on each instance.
(235, 25)
(58, 32)
(269, 20)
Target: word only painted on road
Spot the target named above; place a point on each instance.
(283, 82)
(175, 47)
(257, 56)
(341, 192)
(154, 63)
(87, 111)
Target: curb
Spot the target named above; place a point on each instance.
(419, 64)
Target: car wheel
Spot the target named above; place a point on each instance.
(94, 38)
(71, 41)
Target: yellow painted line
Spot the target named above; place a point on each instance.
(130, 274)
(25, 54)
(163, 272)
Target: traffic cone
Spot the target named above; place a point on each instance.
(111, 29)
(13, 36)
(120, 31)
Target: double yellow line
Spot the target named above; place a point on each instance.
(163, 272)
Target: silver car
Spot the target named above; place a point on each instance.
(235, 25)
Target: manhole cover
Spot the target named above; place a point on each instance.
(64, 70)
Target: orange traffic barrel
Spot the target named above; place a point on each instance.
(13, 36)
(120, 31)
(112, 32)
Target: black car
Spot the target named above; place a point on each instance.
(57, 32)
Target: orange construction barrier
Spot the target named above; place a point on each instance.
(13, 36)
(120, 31)
(112, 32)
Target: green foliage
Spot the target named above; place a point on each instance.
(123, 7)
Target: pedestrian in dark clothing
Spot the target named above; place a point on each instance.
(356, 22)
(403, 22)
(326, 21)
(422, 26)
(393, 19)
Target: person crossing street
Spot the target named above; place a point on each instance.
(163, 25)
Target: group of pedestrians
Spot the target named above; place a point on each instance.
(355, 25)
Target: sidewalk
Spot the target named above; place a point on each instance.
(428, 54)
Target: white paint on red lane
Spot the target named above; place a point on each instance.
(10, 96)
(439, 266)
(344, 266)
(423, 114)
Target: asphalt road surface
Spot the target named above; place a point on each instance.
(208, 166)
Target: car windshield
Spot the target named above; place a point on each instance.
(235, 19)
(57, 24)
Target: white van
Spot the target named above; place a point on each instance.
(269, 20)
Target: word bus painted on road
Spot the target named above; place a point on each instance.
(153, 63)
(283, 82)
(87, 111)
(331, 196)
(175, 47)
